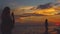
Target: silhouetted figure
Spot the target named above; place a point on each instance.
(46, 26)
(7, 21)
(13, 20)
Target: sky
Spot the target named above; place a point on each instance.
(16, 3)
(20, 3)
(27, 4)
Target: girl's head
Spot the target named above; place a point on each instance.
(6, 11)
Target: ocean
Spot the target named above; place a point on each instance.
(33, 25)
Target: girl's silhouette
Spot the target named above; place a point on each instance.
(7, 22)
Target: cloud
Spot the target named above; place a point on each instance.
(50, 11)
(30, 14)
(22, 10)
(27, 7)
(45, 9)
(44, 6)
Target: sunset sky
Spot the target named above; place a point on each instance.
(30, 6)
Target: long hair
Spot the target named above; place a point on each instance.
(5, 16)
(6, 12)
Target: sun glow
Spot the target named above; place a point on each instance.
(49, 11)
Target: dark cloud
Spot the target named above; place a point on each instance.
(30, 14)
(48, 5)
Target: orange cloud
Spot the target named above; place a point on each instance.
(49, 11)
(27, 9)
